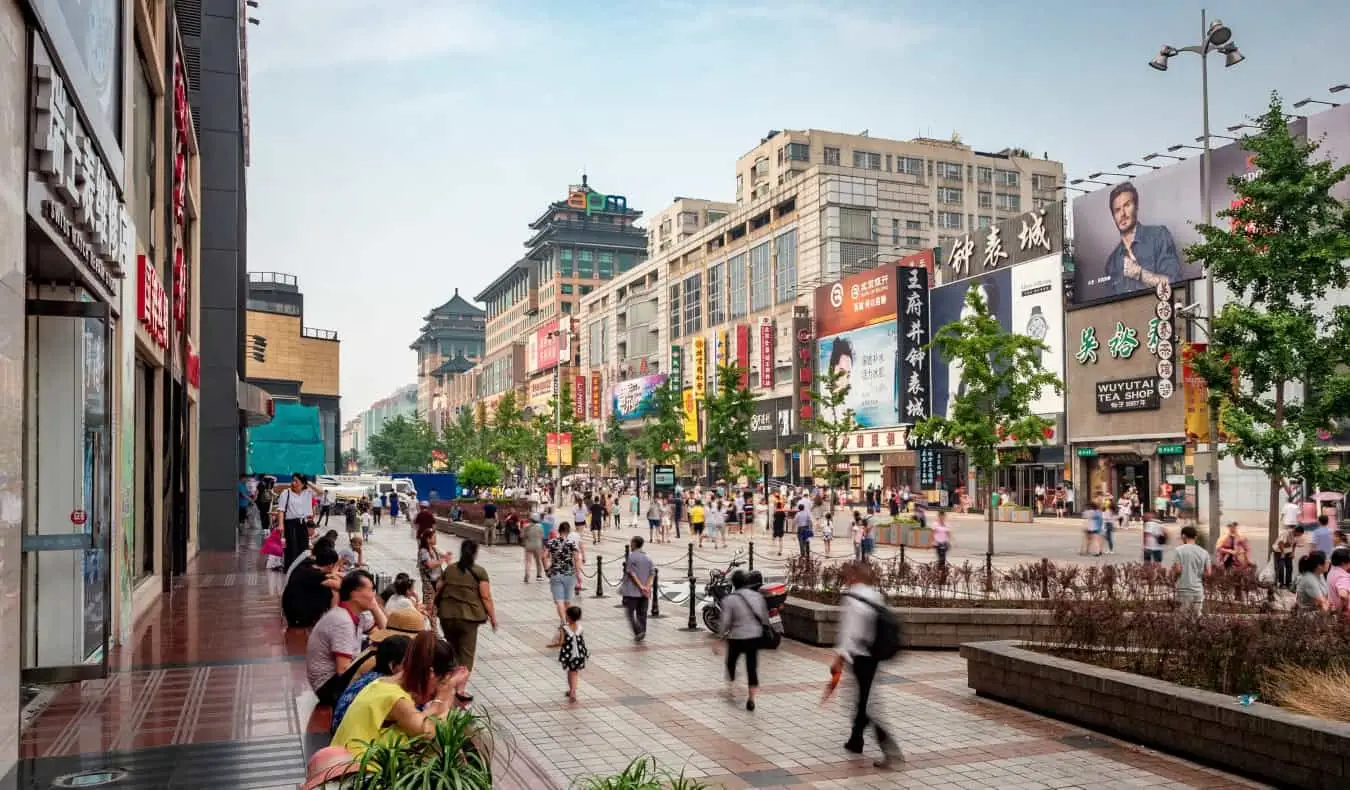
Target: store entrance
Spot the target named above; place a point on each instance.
(1131, 473)
(68, 487)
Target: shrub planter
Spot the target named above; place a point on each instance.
(1014, 515)
(1261, 741)
(935, 628)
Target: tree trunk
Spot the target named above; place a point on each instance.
(989, 510)
(1273, 512)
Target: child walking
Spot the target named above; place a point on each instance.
(573, 654)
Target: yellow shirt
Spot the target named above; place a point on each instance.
(366, 717)
(696, 514)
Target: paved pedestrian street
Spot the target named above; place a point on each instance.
(663, 698)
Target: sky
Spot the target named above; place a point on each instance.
(401, 147)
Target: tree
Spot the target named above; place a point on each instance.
(402, 444)
(730, 410)
(513, 441)
(1002, 375)
(559, 413)
(463, 438)
(662, 439)
(1278, 360)
(479, 473)
(351, 460)
(614, 449)
(829, 426)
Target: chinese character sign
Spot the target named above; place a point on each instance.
(743, 354)
(1034, 234)
(595, 395)
(700, 368)
(677, 366)
(856, 301)
(915, 396)
(803, 367)
(152, 303)
(579, 398)
(766, 353)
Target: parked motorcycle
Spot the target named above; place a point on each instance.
(717, 587)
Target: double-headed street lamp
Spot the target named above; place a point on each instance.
(1214, 38)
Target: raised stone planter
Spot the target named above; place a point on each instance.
(923, 627)
(483, 536)
(1261, 741)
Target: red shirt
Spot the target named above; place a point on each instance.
(425, 518)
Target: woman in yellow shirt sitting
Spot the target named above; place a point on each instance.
(406, 702)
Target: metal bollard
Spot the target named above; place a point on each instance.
(751, 563)
(623, 574)
(902, 554)
(656, 593)
(599, 577)
(693, 619)
(1045, 577)
(691, 561)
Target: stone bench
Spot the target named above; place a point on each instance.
(932, 628)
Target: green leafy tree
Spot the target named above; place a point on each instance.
(1282, 250)
(615, 447)
(463, 437)
(515, 443)
(662, 439)
(479, 473)
(829, 426)
(1002, 375)
(730, 410)
(549, 420)
(402, 444)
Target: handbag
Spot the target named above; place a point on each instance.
(769, 639)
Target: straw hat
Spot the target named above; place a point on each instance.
(401, 622)
(329, 764)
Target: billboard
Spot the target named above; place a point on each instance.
(595, 395)
(1015, 240)
(1155, 214)
(690, 417)
(632, 399)
(1037, 311)
(700, 367)
(866, 358)
(771, 425)
(915, 379)
(545, 347)
(558, 448)
(1331, 129)
(947, 304)
(579, 398)
(1232, 160)
(856, 301)
(742, 354)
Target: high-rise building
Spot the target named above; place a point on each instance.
(401, 403)
(576, 245)
(215, 48)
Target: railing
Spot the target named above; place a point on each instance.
(318, 334)
(275, 278)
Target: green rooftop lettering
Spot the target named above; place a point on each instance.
(1123, 343)
(1087, 346)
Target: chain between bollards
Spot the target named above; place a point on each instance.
(656, 593)
(599, 576)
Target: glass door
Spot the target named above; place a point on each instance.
(67, 537)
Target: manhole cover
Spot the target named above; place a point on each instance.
(102, 778)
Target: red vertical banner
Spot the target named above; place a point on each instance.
(766, 353)
(595, 395)
(579, 398)
(743, 353)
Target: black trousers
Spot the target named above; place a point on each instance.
(748, 648)
(636, 609)
(865, 670)
(297, 539)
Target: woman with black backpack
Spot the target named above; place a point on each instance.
(868, 634)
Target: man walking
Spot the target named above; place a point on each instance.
(1191, 566)
(857, 633)
(637, 587)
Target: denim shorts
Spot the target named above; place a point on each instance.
(562, 586)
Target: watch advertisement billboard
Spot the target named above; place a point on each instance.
(1132, 236)
(1037, 311)
(632, 399)
(947, 306)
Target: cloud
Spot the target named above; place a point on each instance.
(318, 34)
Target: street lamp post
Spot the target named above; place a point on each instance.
(562, 334)
(1216, 37)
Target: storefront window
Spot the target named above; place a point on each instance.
(143, 135)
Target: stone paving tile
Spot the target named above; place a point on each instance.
(663, 698)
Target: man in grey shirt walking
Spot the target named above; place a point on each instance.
(1191, 565)
(637, 587)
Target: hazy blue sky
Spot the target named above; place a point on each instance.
(401, 146)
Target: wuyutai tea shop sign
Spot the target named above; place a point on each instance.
(590, 201)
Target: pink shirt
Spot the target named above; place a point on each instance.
(941, 534)
(1338, 581)
(1307, 513)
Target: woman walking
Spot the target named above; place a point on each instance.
(463, 603)
(744, 618)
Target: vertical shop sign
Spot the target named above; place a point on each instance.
(766, 353)
(690, 417)
(700, 368)
(595, 395)
(579, 398)
(928, 468)
(743, 353)
(181, 119)
(914, 368)
(677, 366)
(803, 366)
(152, 304)
(721, 357)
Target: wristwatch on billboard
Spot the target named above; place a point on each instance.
(1037, 327)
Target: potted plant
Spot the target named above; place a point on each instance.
(641, 774)
(456, 755)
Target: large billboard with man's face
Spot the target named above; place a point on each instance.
(1132, 236)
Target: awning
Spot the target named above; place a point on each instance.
(254, 403)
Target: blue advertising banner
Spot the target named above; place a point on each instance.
(632, 399)
(867, 358)
(947, 304)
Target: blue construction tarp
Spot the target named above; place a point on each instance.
(291, 442)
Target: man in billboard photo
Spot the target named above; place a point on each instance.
(841, 361)
(1146, 255)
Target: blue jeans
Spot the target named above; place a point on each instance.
(562, 585)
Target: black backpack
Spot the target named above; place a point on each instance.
(886, 636)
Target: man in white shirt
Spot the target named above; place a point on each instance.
(327, 506)
(857, 629)
(1289, 515)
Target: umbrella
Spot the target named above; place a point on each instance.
(1328, 496)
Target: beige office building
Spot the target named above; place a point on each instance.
(811, 206)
